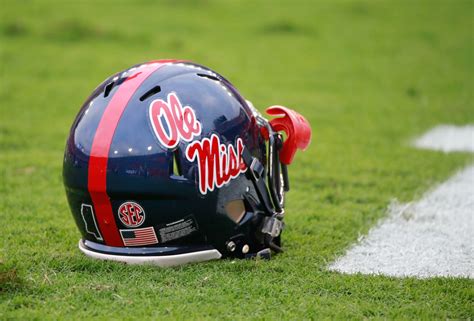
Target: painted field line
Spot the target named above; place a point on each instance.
(426, 238)
(448, 138)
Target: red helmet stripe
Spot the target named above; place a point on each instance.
(97, 175)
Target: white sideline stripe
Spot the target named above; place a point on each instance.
(163, 260)
(426, 238)
(448, 138)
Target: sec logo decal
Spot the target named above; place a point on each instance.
(131, 214)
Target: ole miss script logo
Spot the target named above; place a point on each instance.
(180, 122)
(217, 163)
(131, 214)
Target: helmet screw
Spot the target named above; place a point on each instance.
(245, 249)
(231, 246)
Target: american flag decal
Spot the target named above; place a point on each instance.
(139, 236)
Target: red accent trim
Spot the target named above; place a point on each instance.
(97, 176)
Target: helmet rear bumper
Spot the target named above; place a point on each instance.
(161, 256)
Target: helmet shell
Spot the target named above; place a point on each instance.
(114, 159)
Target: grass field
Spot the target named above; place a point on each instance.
(369, 76)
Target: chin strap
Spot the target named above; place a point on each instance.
(257, 175)
(272, 223)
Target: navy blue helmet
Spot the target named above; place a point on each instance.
(167, 163)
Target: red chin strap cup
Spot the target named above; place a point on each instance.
(296, 127)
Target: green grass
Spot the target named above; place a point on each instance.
(369, 76)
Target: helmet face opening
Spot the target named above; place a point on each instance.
(166, 163)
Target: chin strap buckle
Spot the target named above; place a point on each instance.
(256, 169)
(272, 226)
(271, 230)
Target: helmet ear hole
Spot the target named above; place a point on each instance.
(235, 210)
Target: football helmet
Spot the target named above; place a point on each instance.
(167, 163)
